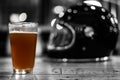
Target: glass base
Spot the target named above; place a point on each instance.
(101, 59)
(23, 77)
(22, 71)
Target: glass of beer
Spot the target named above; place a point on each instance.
(23, 38)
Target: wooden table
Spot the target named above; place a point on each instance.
(109, 70)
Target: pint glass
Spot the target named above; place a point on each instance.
(23, 37)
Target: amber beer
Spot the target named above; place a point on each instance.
(23, 46)
(23, 38)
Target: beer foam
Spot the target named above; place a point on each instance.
(22, 32)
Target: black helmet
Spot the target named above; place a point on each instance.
(96, 32)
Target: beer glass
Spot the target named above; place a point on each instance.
(23, 38)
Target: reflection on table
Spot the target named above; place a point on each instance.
(109, 70)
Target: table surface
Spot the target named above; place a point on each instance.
(109, 70)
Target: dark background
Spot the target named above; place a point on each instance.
(41, 11)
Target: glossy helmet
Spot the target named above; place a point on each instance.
(96, 32)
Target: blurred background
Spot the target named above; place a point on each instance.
(41, 11)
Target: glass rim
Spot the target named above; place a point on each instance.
(18, 27)
(21, 24)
